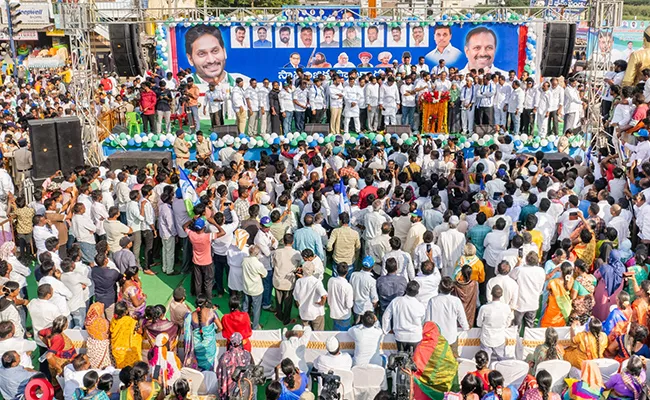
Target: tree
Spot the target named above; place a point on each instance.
(246, 3)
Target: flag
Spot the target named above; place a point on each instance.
(189, 192)
(344, 201)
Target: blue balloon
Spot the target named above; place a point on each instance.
(143, 134)
(158, 47)
(313, 143)
(518, 143)
(131, 142)
(276, 140)
(166, 143)
(138, 144)
(213, 136)
(242, 135)
(107, 141)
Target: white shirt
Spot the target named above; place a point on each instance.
(294, 349)
(621, 225)
(252, 98)
(238, 99)
(572, 102)
(83, 229)
(41, 234)
(556, 98)
(286, 101)
(568, 225)
(317, 97)
(61, 293)
(531, 283)
(43, 313)
(495, 242)
(493, 319)
(367, 342)
(340, 298)
(531, 98)
(253, 272)
(328, 362)
(302, 97)
(99, 214)
(485, 94)
(372, 94)
(364, 288)
(336, 96)
(389, 98)
(510, 289)
(408, 100)
(21, 346)
(516, 101)
(235, 258)
(447, 311)
(404, 316)
(73, 379)
(428, 286)
(73, 281)
(307, 291)
(352, 94)
(373, 220)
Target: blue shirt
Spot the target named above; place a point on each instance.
(296, 392)
(389, 287)
(307, 238)
(262, 44)
(584, 207)
(476, 236)
(13, 381)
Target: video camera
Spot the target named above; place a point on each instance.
(403, 365)
(248, 378)
(330, 384)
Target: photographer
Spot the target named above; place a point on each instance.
(294, 383)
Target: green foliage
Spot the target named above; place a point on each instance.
(639, 9)
(246, 3)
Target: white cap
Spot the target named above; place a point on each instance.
(298, 328)
(532, 168)
(332, 344)
(265, 199)
(454, 220)
(229, 140)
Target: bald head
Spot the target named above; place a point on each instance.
(376, 205)
(615, 210)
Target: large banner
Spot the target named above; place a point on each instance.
(221, 54)
(621, 42)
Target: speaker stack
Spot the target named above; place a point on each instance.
(398, 129)
(126, 49)
(56, 145)
(559, 40)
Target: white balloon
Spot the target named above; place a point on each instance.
(404, 136)
(144, 139)
(544, 143)
(137, 139)
(468, 145)
(243, 140)
(346, 136)
(551, 138)
(474, 137)
(535, 145)
(400, 141)
(124, 142)
(260, 143)
(320, 140)
(379, 138)
(274, 135)
(524, 138)
(171, 138)
(309, 139)
(517, 137)
(481, 142)
(220, 143)
(160, 143)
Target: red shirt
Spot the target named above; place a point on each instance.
(363, 195)
(237, 321)
(107, 84)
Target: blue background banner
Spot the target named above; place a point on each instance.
(274, 52)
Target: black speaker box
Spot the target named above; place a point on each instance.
(312, 128)
(398, 129)
(559, 40)
(482, 130)
(68, 133)
(126, 49)
(45, 155)
(224, 130)
(138, 158)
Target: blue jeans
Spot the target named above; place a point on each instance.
(78, 317)
(286, 122)
(408, 116)
(299, 117)
(195, 120)
(268, 289)
(256, 303)
(341, 325)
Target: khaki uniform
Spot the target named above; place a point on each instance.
(182, 151)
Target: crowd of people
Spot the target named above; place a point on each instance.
(374, 239)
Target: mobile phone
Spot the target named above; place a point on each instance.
(156, 372)
(521, 252)
(43, 358)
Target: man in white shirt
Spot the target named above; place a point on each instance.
(352, 95)
(300, 103)
(448, 312)
(429, 280)
(254, 272)
(253, 106)
(61, 295)
(238, 99)
(213, 99)
(408, 103)
(542, 109)
(367, 338)
(340, 297)
(556, 104)
(501, 97)
(485, 101)
(43, 311)
(404, 317)
(267, 243)
(493, 319)
(265, 106)
(531, 94)
(364, 288)
(43, 231)
(572, 105)
(336, 94)
(451, 244)
(530, 279)
(294, 344)
(516, 106)
(317, 101)
(389, 101)
(10, 342)
(287, 107)
(78, 284)
(371, 92)
(467, 103)
(310, 296)
(508, 286)
(334, 359)
(74, 372)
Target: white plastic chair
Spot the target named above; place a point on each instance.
(514, 371)
(347, 384)
(608, 367)
(368, 381)
(624, 365)
(210, 383)
(465, 366)
(559, 370)
(194, 378)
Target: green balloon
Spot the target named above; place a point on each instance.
(266, 145)
(122, 135)
(150, 144)
(462, 139)
(371, 136)
(294, 143)
(114, 143)
(154, 138)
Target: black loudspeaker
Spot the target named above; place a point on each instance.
(559, 40)
(310, 129)
(224, 130)
(45, 155)
(68, 133)
(126, 49)
(482, 130)
(138, 158)
(398, 129)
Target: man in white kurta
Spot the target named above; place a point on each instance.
(451, 244)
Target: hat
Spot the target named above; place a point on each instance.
(298, 328)
(179, 132)
(365, 54)
(404, 209)
(368, 262)
(125, 241)
(641, 133)
(265, 199)
(265, 221)
(417, 213)
(532, 168)
(230, 140)
(332, 344)
(199, 223)
(454, 220)
(385, 54)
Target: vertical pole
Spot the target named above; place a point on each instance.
(12, 42)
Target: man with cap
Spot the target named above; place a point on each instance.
(316, 96)
(334, 359)
(267, 243)
(201, 240)
(365, 58)
(23, 160)
(226, 153)
(451, 243)
(364, 288)
(415, 233)
(293, 345)
(404, 317)
(640, 151)
(181, 149)
(310, 296)
(124, 258)
(203, 147)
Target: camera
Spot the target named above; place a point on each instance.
(330, 384)
(247, 378)
(403, 366)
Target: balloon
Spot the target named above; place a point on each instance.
(404, 136)
(131, 142)
(518, 143)
(150, 144)
(122, 135)
(114, 143)
(124, 142)
(159, 143)
(213, 137)
(468, 145)
(474, 137)
(154, 138)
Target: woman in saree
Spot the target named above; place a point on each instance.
(60, 348)
(155, 324)
(582, 294)
(610, 283)
(90, 390)
(482, 371)
(294, 383)
(619, 317)
(629, 344)
(587, 345)
(98, 342)
(126, 337)
(549, 350)
(585, 250)
(141, 388)
(469, 258)
(640, 306)
(498, 390)
(639, 271)
(471, 388)
(559, 302)
(161, 356)
(201, 328)
(466, 290)
(628, 385)
(590, 385)
(543, 389)
(131, 292)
